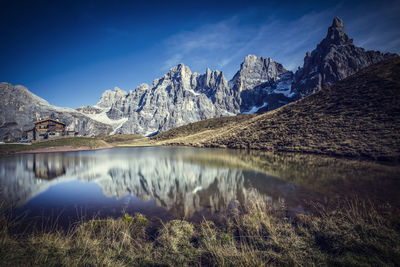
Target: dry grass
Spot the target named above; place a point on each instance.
(201, 126)
(354, 233)
(120, 138)
(357, 117)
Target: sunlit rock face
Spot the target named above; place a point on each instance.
(335, 58)
(181, 97)
(177, 98)
(169, 179)
(19, 109)
(261, 84)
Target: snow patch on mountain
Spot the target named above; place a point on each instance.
(284, 85)
(102, 117)
(254, 109)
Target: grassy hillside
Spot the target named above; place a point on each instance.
(201, 126)
(356, 117)
(120, 138)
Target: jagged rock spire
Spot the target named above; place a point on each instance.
(337, 34)
(335, 58)
(337, 22)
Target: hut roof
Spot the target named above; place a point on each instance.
(39, 121)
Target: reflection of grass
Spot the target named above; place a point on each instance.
(219, 159)
(352, 234)
(70, 141)
(325, 175)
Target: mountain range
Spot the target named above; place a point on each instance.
(357, 117)
(181, 96)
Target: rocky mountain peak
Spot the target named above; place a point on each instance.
(143, 86)
(335, 58)
(119, 91)
(337, 23)
(178, 72)
(254, 71)
(250, 59)
(21, 91)
(337, 33)
(254, 81)
(109, 97)
(179, 68)
(253, 60)
(207, 83)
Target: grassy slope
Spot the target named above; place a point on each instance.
(202, 127)
(358, 117)
(120, 138)
(70, 141)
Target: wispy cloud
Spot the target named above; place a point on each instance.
(209, 43)
(172, 61)
(378, 28)
(224, 44)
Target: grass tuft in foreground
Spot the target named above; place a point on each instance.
(355, 233)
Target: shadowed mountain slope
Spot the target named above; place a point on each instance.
(358, 117)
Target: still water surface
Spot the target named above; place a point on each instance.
(190, 183)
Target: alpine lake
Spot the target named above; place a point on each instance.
(166, 183)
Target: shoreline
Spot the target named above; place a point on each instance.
(392, 160)
(55, 149)
(68, 148)
(60, 149)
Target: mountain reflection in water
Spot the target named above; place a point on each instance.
(167, 182)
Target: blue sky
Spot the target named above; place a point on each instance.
(69, 52)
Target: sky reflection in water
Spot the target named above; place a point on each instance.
(164, 182)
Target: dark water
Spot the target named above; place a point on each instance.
(166, 183)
